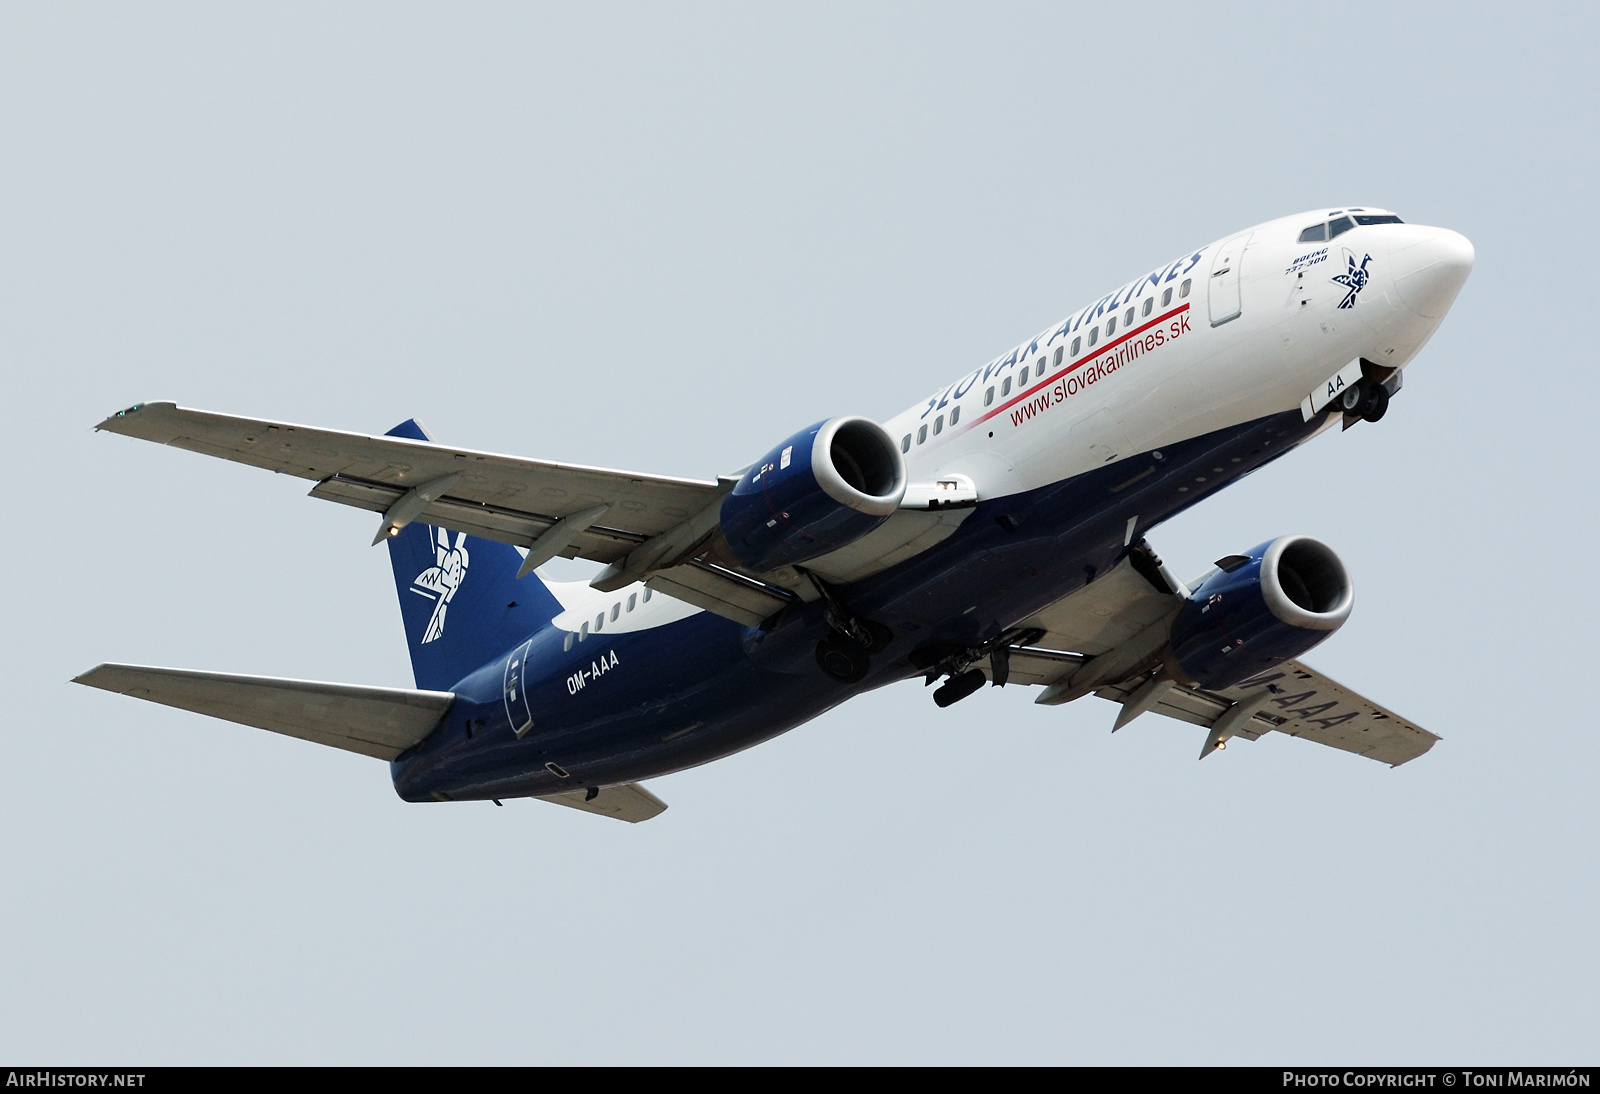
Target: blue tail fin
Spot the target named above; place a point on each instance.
(460, 597)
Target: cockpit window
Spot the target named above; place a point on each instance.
(1314, 234)
(1375, 219)
(1339, 227)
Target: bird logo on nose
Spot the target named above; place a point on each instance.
(1353, 279)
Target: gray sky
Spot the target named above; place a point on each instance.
(662, 238)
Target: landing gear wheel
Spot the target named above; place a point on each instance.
(958, 688)
(1365, 400)
(841, 659)
(1376, 406)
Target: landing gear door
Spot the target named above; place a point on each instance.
(1223, 284)
(515, 690)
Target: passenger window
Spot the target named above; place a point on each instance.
(647, 594)
(922, 434)
(1314, 234)
(1149, 303)
(1166, 297)
(633, 598)
(599, 622)
(566, 643)
(988, 397)
(583, 631)
(1127, 318)
(905, 443)
(1094, 335)
(938, 425)
(1077, 342)
(1183, 289)
(1005, 388)
(1339, 227)
(1057, 362)
(1038, 367)
(955, 415)
(1111, 327)
(616, 610)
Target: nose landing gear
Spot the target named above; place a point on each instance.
(1366, 401)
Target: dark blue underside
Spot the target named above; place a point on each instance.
(664, 699)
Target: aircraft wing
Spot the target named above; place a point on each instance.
(496, 497)
(1103, 638)
(377, 722)
(1297, 700)
(643, 525)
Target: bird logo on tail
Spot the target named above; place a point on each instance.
(440, 581)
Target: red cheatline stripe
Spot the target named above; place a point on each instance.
(1048, 380)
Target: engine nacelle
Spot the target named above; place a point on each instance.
(1260, 610)
(821, 489)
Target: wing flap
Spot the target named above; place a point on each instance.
(728, 594)
(377, 722)
(1031, 665)
(485, 520)
(629, 802)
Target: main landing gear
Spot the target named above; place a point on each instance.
(846, 653)
(955, 661)
(841, 657)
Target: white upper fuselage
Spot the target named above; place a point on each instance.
(1235, 331)
(1240, 329)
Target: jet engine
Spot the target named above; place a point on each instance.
(1258, 610)
(821, 489)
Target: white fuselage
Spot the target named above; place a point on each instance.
(1240, 329)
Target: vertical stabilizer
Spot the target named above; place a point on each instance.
(460, 597)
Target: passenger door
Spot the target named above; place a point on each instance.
(1223, 284)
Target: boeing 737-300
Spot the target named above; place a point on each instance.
(994, 533)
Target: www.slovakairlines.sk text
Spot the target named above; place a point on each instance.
(1098, 368)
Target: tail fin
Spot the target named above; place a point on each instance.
(460, 597)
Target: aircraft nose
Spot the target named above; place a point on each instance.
(1429, 266)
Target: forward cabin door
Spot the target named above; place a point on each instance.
(1223, 284)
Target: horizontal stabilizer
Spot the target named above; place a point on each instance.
(378, 722)
(630, 802)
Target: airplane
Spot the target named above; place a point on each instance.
(994, 533)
